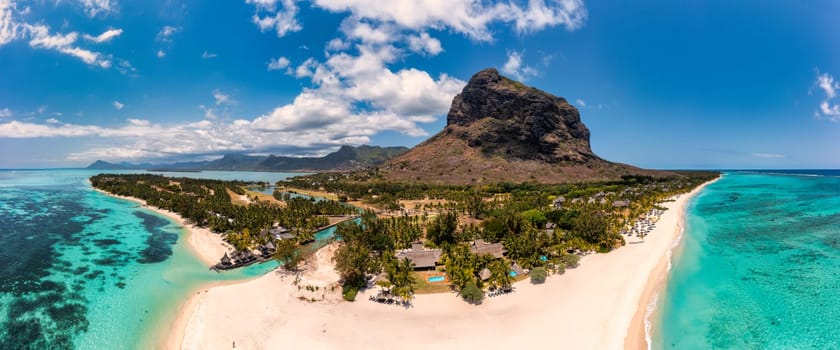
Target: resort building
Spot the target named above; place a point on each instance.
(480, 247)
(423, 259)
(621, 204)
(279, 233)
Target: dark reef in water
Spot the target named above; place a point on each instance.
(26, 270)
(159, 243)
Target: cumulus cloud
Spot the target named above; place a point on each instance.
(278, 63)
(5, 113)
(277, 15)
(105, 36)
(337, 44)
(208, 55)
(469, 17)
(424, 43)
(514, 67)
(829, 108)
(118, 105)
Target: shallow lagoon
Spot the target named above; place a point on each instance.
(86, 270)
(759, 267)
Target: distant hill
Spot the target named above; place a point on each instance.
(346, 158)
(501, 130)
(103, 165)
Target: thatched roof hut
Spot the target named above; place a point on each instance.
(480, 247)
(484, 274)
(621, 203)
(423, 259)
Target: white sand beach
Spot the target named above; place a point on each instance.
(591, 307)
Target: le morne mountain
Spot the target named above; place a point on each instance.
(346, 158)
(501, 130)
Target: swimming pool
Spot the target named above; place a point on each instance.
(513, 274)
(437, 278)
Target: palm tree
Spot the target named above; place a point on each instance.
(401, 278)
(500, 274)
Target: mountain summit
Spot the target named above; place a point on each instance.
(499, 129)
(504, 117)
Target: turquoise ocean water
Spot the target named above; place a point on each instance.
(79, 269)
(759, 266)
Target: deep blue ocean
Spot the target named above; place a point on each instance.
(83, 270)
(759, 265)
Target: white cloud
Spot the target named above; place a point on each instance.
(282, 19)
(52, 121)
(207, 55)
(40, 37)
(221, 98)
(517, 69)
(537, 15)
(165, 33)
(9, 29)
(105, 36)
(5, 113)
(424, 43)
(161, 54)
(365, 32)
(337, 45)
(95, 7)
(278, 63)
(468, 17)
(829, 109)
(118, 105)
(581, 103)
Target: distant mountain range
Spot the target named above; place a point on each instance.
(346, 158)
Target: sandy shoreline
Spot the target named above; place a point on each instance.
(592, 307)
(638, 331)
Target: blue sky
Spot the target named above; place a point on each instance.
(661, 84)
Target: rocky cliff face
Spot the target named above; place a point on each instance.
(504, 117)
(499, 130)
